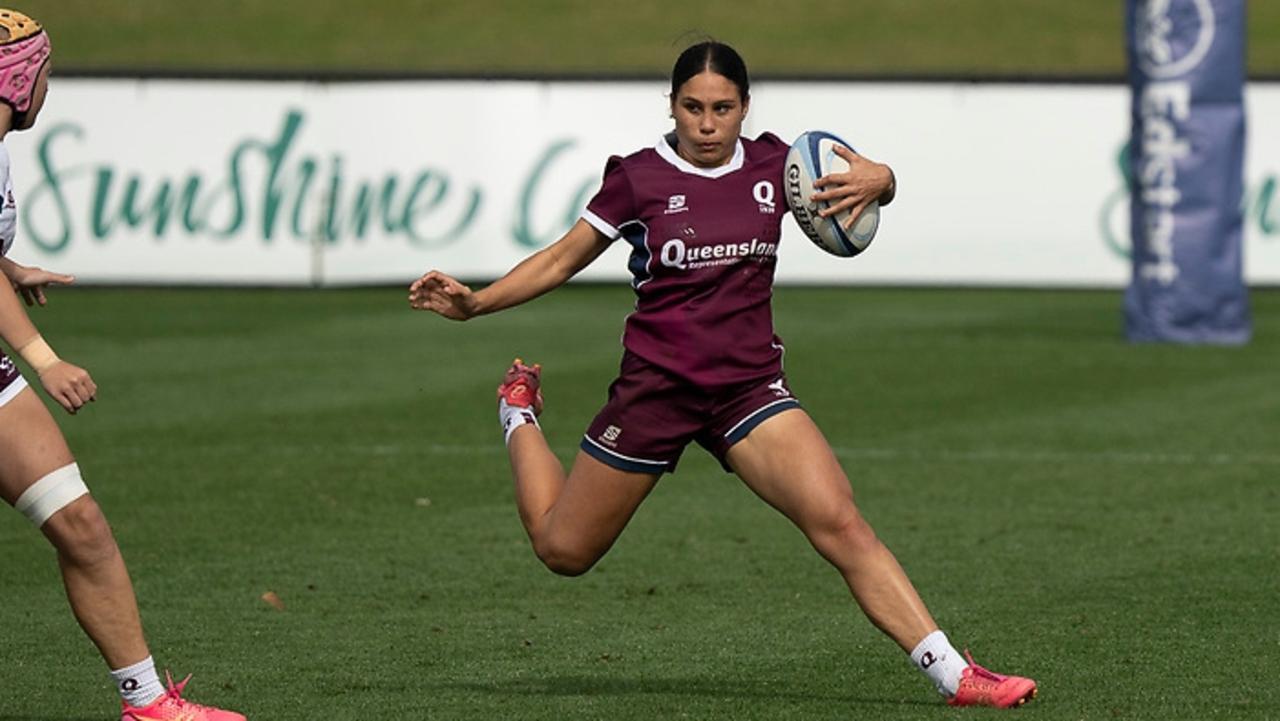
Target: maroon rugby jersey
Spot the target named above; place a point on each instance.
(704, 248)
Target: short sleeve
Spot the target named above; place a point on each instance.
(614, 205)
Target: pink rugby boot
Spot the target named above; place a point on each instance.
(173, 707)
(520, 388)
(980, 687)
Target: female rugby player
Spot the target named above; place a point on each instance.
(702, 212)
(38, 475)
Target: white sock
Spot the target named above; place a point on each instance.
(138, 684)
(940, 661)
(512, 417)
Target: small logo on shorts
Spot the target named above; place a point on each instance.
(778, 389)
(675, 204)
(610, 435)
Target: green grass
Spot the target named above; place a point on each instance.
(1102, 516)
(551, 36)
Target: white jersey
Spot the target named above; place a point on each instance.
(11, 382)
(8, 205)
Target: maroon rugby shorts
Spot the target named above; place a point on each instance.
(652, 415)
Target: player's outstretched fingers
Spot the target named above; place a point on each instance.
(32, 282)
(434, 291)
(416, 285)
(425, 284)
(442, 294)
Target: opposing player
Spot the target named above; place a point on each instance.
(702, 212)
(38, 475)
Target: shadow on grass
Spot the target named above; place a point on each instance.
(710, 688)
(7, 717)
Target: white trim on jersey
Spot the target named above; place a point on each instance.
(601, 225)
(667, 153)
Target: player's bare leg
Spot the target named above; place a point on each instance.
(93, 571)
(572, 520)
(789, 464)
(97, 583)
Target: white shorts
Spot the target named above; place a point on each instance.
(11, 381)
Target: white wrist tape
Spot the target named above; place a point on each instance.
(51, 494)
(37, 353)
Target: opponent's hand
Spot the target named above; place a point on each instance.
(69, 385)
(440, 293)
(855, 188)
(31, 282)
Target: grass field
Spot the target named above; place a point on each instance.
(1103, 517)
(823, 37)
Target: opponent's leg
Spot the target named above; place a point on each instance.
(98, 586)
(571, 521)
(39, 477)
(788, 463)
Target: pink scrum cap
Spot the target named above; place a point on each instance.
(21, 57)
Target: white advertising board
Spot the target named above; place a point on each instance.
(307, 183)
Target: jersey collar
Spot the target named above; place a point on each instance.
(671, 156)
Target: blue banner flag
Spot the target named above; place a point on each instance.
(1186, 69)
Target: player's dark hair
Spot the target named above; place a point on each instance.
(714, 56)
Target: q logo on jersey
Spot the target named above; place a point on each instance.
(765, 195)
(1173, 36)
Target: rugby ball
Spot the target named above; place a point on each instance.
(812, 156)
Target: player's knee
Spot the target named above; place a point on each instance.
(81, 534)
(846, 533)
(564, 558)
(60, 505)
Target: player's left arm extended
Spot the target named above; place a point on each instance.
(545, 270)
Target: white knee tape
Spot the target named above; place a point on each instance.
(51, 494)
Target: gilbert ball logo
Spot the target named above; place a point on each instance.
(1174, 36)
